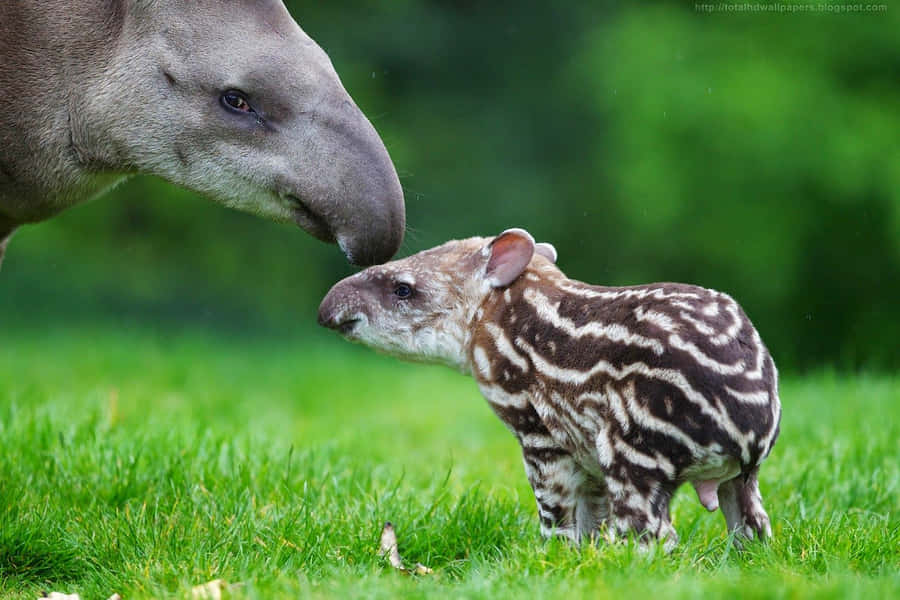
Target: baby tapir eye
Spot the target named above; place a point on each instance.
(403, 291)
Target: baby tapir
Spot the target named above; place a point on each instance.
(617, 395)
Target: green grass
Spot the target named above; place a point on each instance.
(144, 463)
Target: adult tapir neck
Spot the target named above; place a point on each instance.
(55, 52)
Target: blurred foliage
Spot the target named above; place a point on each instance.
(752, 152)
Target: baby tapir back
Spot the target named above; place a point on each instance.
(616, 395)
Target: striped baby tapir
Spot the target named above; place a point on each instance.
(617, 395)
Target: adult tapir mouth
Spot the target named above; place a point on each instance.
(369, 240)
(310, 221)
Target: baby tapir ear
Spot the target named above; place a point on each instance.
(511, 251)
(546, 250)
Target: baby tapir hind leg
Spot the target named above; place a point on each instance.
(741, 504)
(640, 506)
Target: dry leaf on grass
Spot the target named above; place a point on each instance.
(389, 548)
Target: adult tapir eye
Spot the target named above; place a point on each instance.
(403, 290)
(236, 101)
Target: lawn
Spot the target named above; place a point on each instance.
(144, 463)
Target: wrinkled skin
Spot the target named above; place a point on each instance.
(100, 89)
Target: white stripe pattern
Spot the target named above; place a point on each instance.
(699, 325)
(501, 342)
(645, 419)
(640, 293)
(671, 376)
(733, 329)
(613, 332)
(704, 360)
(642, 460)
(661, 320)
(760, 398)
(756, 373)
(482, 362)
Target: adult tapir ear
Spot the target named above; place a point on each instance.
(546, 250)
(510, 253)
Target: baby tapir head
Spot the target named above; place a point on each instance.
(420, 307)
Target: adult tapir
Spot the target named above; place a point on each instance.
(229, 98)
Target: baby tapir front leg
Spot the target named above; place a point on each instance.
(640, 506)
(571, 502)
(555, 479)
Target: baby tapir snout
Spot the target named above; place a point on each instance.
(344, 306)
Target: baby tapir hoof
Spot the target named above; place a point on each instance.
(742, 506)
(616, 395)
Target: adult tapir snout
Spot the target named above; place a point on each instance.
(346, 189)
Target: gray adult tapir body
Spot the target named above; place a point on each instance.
(229, 98)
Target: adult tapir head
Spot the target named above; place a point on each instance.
(232, 99)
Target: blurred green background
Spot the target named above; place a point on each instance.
(753, 152)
